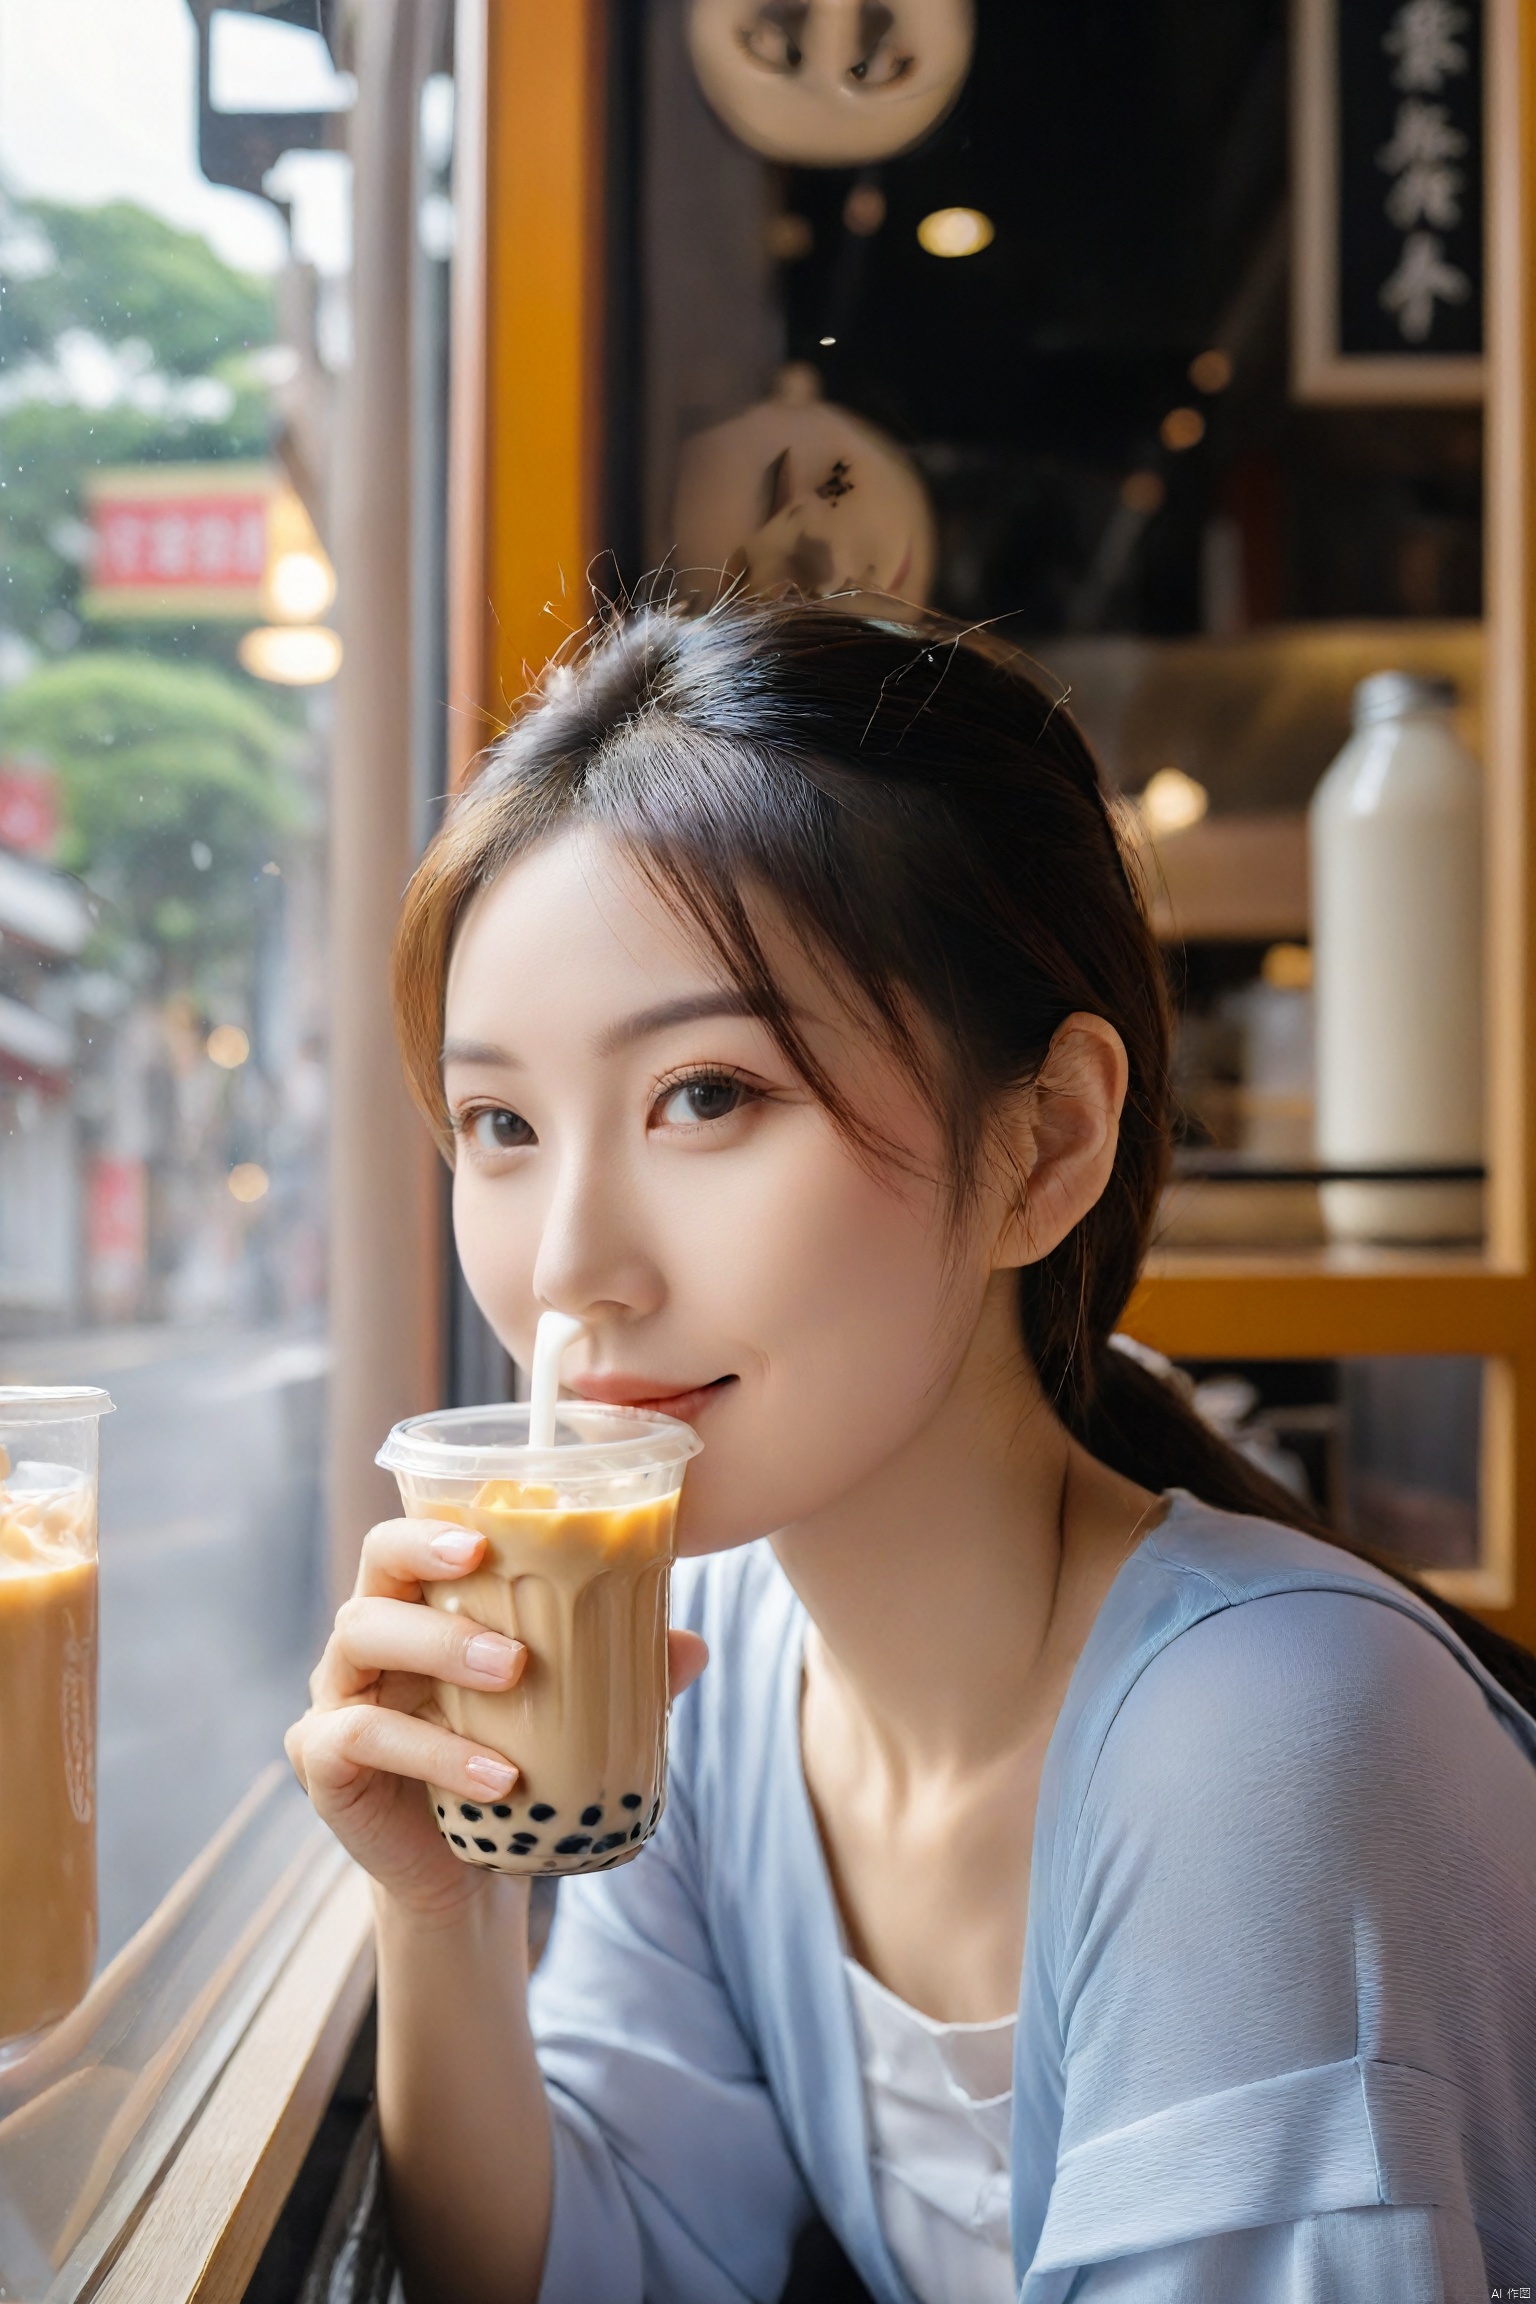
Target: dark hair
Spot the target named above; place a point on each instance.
(927, 816)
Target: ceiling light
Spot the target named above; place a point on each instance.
(864, 210)
(1182, 428)
(1211, 371)
(1172, 802)
(956, 232)
(1143, 492)
(293, 655)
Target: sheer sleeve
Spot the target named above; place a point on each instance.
(673, 2178)
(1286, 1972)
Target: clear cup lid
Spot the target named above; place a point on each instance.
(52, 1403)
(491, 1443)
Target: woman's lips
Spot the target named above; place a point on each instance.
(645, 1392)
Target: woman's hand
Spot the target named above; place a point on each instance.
(373, 1735)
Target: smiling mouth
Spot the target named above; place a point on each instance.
(640, 1392)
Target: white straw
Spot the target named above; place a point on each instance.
(557, 1332)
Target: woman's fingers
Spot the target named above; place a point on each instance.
(378, 1635)
(336, 1748)
(687, 1655)
(399, 1556)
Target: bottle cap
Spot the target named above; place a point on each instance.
(1394, 695)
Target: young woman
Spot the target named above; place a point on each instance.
(785, 1009)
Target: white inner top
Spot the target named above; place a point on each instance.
(940, 2104)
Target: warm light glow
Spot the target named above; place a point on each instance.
(248, 1182)
(1171, 802)
(228, 1047)
(790, 237)
(1182, 428)
(1211, 371)
(294, 655)
(1288, 967)
(956, 232)
(1143, 492)
(864, 210)
(301, 586)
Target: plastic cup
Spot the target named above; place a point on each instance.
(48, 1490)
(579, 1549)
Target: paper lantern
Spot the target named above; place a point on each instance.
(831, 83)
(797, 495)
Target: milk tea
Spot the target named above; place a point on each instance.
(585, 1590)
(47, 1745)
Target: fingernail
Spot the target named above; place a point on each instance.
(453, 1550)
(492, 1775)
(489, 1655)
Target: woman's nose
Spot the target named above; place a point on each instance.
(591, 1250)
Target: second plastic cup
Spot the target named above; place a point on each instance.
(47, 1704)
(579, 1547)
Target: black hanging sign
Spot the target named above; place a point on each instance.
(1388, 138)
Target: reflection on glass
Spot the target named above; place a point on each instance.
(163, 418)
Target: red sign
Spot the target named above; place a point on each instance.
(214, 540)
(117, 1208)
(180, 540)
(29, 810)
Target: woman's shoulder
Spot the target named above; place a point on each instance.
(1207, 1565)
(1226, 1633)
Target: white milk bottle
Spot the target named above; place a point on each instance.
(1397, 928)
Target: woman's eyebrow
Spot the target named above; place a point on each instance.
(479, 1052)
(687, 1010)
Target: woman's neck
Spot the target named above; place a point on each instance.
(934, 1587)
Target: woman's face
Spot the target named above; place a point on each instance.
(633, 1149)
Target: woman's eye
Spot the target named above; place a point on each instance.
(713, 1096)
(500, 1131)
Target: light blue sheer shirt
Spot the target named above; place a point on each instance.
(1277, 2021)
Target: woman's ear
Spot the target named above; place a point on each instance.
(1059, 1139)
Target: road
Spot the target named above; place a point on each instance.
(211, 1578)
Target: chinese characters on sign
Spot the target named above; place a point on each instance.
(1422, 158)
(220, 541)
(181, 540)
(1410, 176)
(1388, 166)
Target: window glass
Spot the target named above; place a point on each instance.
(170, 350)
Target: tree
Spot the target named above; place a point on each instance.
(178, 789)
(128, 277)
(182, 325)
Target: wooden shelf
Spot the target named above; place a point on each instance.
(1325, 1303)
